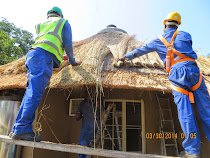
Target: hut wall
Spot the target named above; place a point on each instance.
(67, 130)
(57, 125)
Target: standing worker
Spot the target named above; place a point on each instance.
(53, 37)
(175, 49)
(87, 111)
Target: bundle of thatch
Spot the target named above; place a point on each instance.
(98, 54)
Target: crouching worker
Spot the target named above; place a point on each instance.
(175, 49)
(53, 37)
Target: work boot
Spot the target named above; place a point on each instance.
(26, 136)
(188, 155)
(11, 133)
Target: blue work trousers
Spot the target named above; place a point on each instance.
(185, 77)
(85, 139)
(39, 71)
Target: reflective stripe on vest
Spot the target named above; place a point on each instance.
(170, 60)
(50, 44)
(51, 41)
(50, 33)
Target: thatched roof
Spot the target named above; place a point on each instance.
(98, 54)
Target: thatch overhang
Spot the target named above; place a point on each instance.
(98, 54)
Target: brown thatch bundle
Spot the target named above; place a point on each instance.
(98, 54)
(15, 67)
(204, 65)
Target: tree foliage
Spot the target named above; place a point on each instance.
(14, 42)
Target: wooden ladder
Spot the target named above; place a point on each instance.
(167, 133)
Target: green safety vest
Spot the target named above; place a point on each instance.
(50, 37)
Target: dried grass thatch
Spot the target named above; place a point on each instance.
(98, 54)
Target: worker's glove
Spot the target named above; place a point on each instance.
(65, 57)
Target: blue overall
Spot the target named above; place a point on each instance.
(39, 64)
(184, 75)
(40, 67)
(87, 129)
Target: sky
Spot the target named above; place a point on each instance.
(143, 18)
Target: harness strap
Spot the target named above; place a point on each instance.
(172, 39)
(170, 60)
(182, 55)
(188, 93)
(195, 87)
(164, 41)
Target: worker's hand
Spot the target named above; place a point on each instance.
(65, 57)
(78, 115)
(77, 63)
(121, 59)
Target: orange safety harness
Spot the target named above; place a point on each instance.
(170, 60)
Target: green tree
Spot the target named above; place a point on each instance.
(14, 42)
(8, 50)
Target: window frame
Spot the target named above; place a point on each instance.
(71, 105)
(124, 121)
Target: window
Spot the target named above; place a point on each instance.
(133, 126)
(130, 131)
(74, 103)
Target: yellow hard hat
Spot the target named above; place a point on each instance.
(173, 16)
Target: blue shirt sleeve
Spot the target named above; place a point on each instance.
(67, 42)
(150, 47)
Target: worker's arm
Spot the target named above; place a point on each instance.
(150, 47)
(67, 44)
